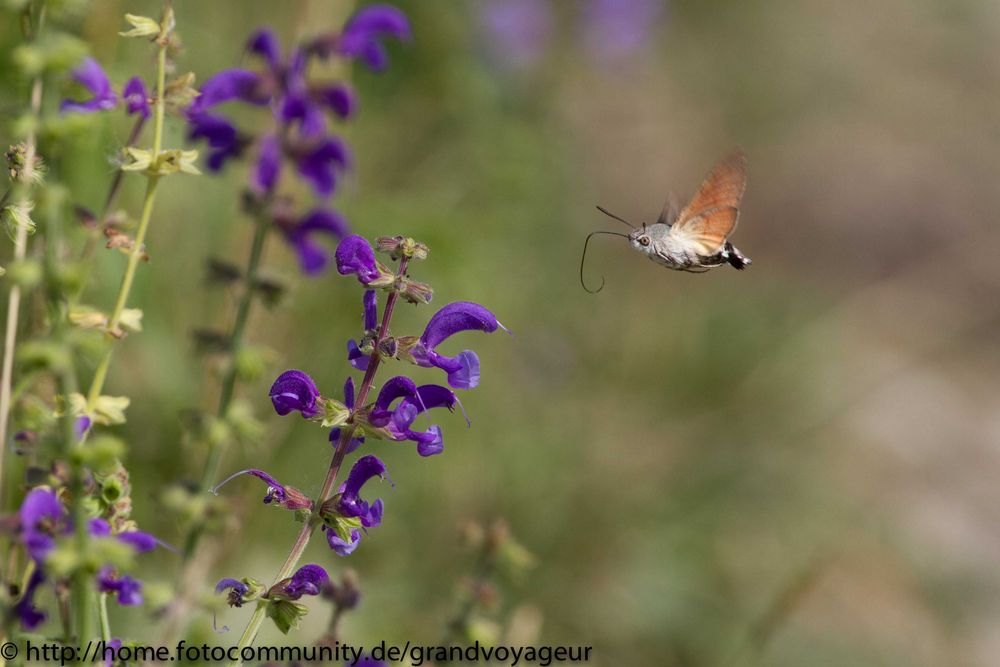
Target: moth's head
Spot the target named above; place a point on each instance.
(640, 239)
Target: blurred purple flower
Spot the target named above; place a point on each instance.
(30, 615)
(136, 97)
(128, 591)
(362, 34)
(518, 31)
(91, 76)
(616, 30)
(313, 257)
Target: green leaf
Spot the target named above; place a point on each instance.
(286, 614)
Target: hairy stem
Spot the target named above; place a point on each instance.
(346, 433)
(135, 255)
(22, 198)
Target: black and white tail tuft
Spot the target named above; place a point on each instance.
(735, 258)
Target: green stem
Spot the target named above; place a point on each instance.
(23, 198)
(102, 603)
(346, 433)
(135, 255)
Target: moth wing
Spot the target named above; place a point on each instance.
(707, 232)
(670, 208)
(710, 218)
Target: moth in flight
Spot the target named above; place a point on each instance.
(697, 238)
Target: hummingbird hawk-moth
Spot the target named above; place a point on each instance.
(697, 238)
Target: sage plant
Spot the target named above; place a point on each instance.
(74, 525)
(365, 413)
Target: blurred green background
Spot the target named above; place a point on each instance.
(792, 465)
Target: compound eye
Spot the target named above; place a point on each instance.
(644, 240)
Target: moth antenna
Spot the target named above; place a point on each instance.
(584, 257)
(615, 217)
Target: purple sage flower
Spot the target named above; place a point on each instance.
(349, 504)
(136, 97)
(30, 615)
(307, 580)
(362, 34)
(313, 257)
(355, 256)
(237, 591)
(91, 76)
(127, 591)
(283, 496)
(519, 31)
(462, 369)
(355, 356)
(295, 390)
(617, 30)
(41, 516)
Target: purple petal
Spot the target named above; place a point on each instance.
(355, 255)
(456, 317)
(295, 390)
(363, 470)
(39, 506)
(265, 44)
(313, 258)
(307, 580)
(430, 442)
(221, 135)
(339, 546)
(374, 516)
(98, 528)
(370, 303)
(299, 107)
(136, 97)
(30, 615)
(321, 164)
(338, 98)
(356, 357)
(349, 393)
(91, 76)
(235, 584)
(268, 167)
(360, 36)
(227, 85)
(138, 540)
(80, 426)
(396, 387)
(466, 375)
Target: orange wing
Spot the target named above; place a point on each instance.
(711, 216)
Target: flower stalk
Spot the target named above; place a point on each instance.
(346, 434)
(136, 253)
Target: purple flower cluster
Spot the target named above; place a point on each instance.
(42, 520)
(300, 139)
(91, 76)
